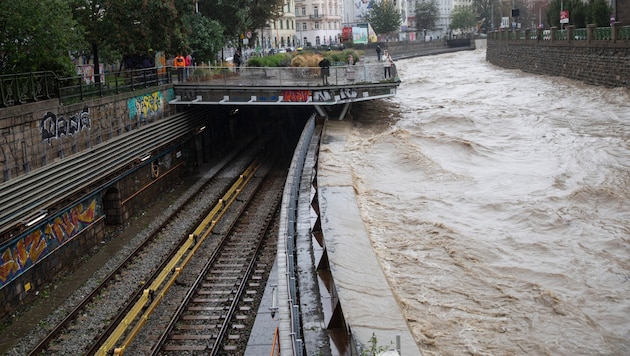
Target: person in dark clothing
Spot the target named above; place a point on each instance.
(237, 60)
(378, 53)
(324, 64)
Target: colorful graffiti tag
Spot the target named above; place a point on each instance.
(53, 126)
(27, 250)
(301, 96)
(147, 106)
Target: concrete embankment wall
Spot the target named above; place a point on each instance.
(604, 63)
(40, 133)
(37, 135)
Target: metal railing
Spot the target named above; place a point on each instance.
(76, 89)
(22, 88)
(35, 86)
(613, 34)
(368, 73)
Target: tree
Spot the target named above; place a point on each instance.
(204, 42)
(483, 9)
(35, 35)
(598, 13)
(463, 19)
(427, 13)
(238, 16)
(384, 17)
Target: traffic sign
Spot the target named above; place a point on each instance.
(564, 16)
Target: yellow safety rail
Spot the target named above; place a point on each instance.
(157, 290)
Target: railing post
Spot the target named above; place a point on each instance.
(116, 78)
(81, 87)
(615, 31)
(570, 32)
(553, 33)
(59, 91)
(590, 32)
(18, 94)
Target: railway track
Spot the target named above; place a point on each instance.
(220, 302)
(85, 328)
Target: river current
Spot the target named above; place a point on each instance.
(498, 204)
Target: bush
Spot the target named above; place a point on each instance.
(277, 60)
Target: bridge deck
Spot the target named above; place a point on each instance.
(284, 86)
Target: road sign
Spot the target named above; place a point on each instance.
(249, 34)
(564, 16)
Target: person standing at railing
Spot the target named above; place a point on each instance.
(387, 64)
(237, 60)
(324, 64)
(180, 64)
(378, 53)
(188, 61)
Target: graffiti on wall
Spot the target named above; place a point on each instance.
(146, 107)
(301, 96)
(53, 126)
(322, 95)
(347, 93)
(26, 250)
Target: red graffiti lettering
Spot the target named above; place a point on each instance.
(296, 95)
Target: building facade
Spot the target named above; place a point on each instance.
(318, 22)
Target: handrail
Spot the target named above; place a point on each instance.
(613, 34)
(21, 88)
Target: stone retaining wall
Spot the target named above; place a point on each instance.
(605, 63)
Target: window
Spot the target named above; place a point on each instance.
(317, 41)
(304, 11)
(280, 24)
(317, 25)
(304, 26)
(287, 24)
(316, 12)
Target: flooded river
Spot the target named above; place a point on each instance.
(498, 204)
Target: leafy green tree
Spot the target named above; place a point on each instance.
(427, 13)
(384, 17)
(598, 13)
(35, 35)
(203, 40)
(577, 13)
(463, 19)
(238, 16)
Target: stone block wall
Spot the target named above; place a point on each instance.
(605, 64)
(40, 133)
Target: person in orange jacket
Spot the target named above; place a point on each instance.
(180, 64)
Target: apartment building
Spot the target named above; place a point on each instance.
(318, 22)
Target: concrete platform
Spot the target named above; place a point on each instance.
(368, 303)
(261, 337)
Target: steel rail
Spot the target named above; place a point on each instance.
(212, 259)
(164, 278)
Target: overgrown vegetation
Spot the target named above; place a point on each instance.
(305, 58)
